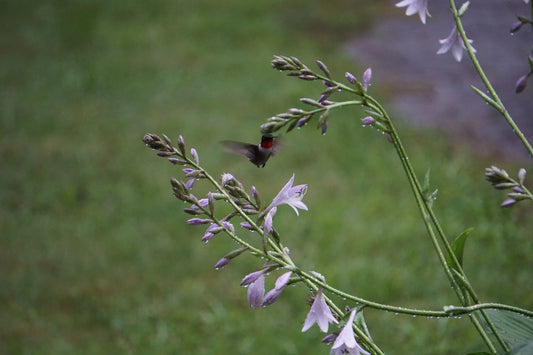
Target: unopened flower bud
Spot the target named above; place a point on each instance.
(311, 102)
(194, 154)
(248, 279)
(508, 202)
(255, 195)
(367, 78)
(323, 67)
(521, 84)
(324, 127)
(177, 161)
(222, 262)
(350, 77)
(302, 121)
(515, 27)
(368, 121)
(330, 338)
(247, 226)
(521, 175)
(197, 221)
(181, 145)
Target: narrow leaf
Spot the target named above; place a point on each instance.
(360, 322)
(458, 246)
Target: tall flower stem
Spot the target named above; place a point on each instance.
(431, 222)
(496, 102)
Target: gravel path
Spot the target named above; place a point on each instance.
(434, 90)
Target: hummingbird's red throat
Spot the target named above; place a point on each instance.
(266, 143)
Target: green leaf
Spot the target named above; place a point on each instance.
(458, 247)
(360, 323)
(515, 329)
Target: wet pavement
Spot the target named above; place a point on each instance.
(434, 91)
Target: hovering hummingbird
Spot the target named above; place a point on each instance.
(258, 154)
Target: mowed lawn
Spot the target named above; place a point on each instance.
(95, 255)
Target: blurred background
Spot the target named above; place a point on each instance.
(95, 255)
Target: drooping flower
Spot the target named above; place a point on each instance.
(345, 342)
(455, 43)
(256, 292)
(319, 314)
(291, 196)
(248, 279)
(367, 78)
(273, 295)
(268, 225)
(414, 6)
(256, 287)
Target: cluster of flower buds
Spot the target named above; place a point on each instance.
(295, 117)
(294, 66)
(501, 180)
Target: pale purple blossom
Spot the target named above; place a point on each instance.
(367, 78)
(248, 279)
(319, 314)
(222, 262)
(521, 83)
(194, 209)
(226, 178)
(267, 226)
(508, 202)
(210, 232)
(273, 295)
(247, 225)
(291, 196)
(345, 342)
(256, 292)
(416, 6)
(350, 77)
(454, 42)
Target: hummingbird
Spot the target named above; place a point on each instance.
(257, 154)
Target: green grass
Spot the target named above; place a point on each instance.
(94, 253)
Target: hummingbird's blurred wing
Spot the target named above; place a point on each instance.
(277, 145)
(248, 150)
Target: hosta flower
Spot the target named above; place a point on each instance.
(256, 292)
(273, 295)
(291, 196)
(268, 226)
(455, 43)
(319, 314)
(345, 342)
(367, 78)
(414, 6)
